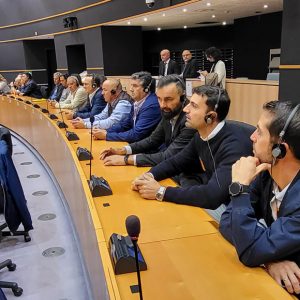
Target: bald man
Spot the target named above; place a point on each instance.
(167, 66)
(117, 109)
(190, 67)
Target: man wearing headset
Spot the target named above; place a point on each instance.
(95, 102)
(144, 115)
(170, 135)
(211, 152)
(77, 97)
(118, 107)
(262, 220)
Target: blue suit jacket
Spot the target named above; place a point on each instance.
(16, 211)
(147, 119)
(87, 111)
(255, 243)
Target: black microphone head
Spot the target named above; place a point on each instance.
(133, 226)
(92, 119)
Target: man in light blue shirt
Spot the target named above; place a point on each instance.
(118, 107)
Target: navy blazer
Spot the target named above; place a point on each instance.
(147, 119)
(31, 89)
(87, 111)
(255, 243)
(16, 211)
(59, 91)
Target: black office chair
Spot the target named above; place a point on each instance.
(18, 291)
(44, 91)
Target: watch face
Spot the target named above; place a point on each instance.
(234, 188)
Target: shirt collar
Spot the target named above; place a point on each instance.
(140, 102)
(166, 62)
(93, 94)
(279, 194)
(214, 132)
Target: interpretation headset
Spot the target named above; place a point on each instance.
(94, 84)
(209, 118)
(75, 78)
(279, 150)
(118, 85)
(147, 88)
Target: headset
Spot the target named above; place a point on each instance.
(75, 78)
(279, 150)
(94, 84)
(147, 88)
(118, 86)
(209, 118)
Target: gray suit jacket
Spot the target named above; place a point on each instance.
(169, 143)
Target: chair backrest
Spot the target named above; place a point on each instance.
(44, 91)
(5, 135)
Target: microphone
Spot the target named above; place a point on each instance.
(71, 136)
(61, 124)
(133, 227)
(92, 120)
(46, 111)
(33, 104)
(98, 185)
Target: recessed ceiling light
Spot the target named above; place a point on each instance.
(266, 6)
(158, 28)
(128, 22)
(213, 16)
(145, 19)
(208, 4)
(185, 27)
(163, 14)
(224, 23)
(184, 10)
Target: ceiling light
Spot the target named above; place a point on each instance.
(266, 6)
(128, 22)
(158, 28)
(145, 19)
(213, 16)
(208, 4)
(224, 23)
(184, 10)
(163, 14)
(185, 27)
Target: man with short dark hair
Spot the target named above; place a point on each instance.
(262, 220)
(144, 115)
(29, 87)
(211, 153)
(170, 135)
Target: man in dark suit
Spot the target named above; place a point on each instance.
(190, 67)
(170, 136)
(167, 66)
(96, 103)
(262, 220)
(58, 87)
(29, 87)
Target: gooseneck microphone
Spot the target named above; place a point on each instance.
(133, 227)
(92, 120)
(61, 124)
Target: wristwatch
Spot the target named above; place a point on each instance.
(237, 188)
(126, 159)
(160, 193)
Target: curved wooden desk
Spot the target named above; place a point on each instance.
(186, 256)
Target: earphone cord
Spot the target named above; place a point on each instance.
(214, 163)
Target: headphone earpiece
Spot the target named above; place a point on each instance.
(208, 119)
(113, 92)
(182, 98)
(147, 88)
(278, 151)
